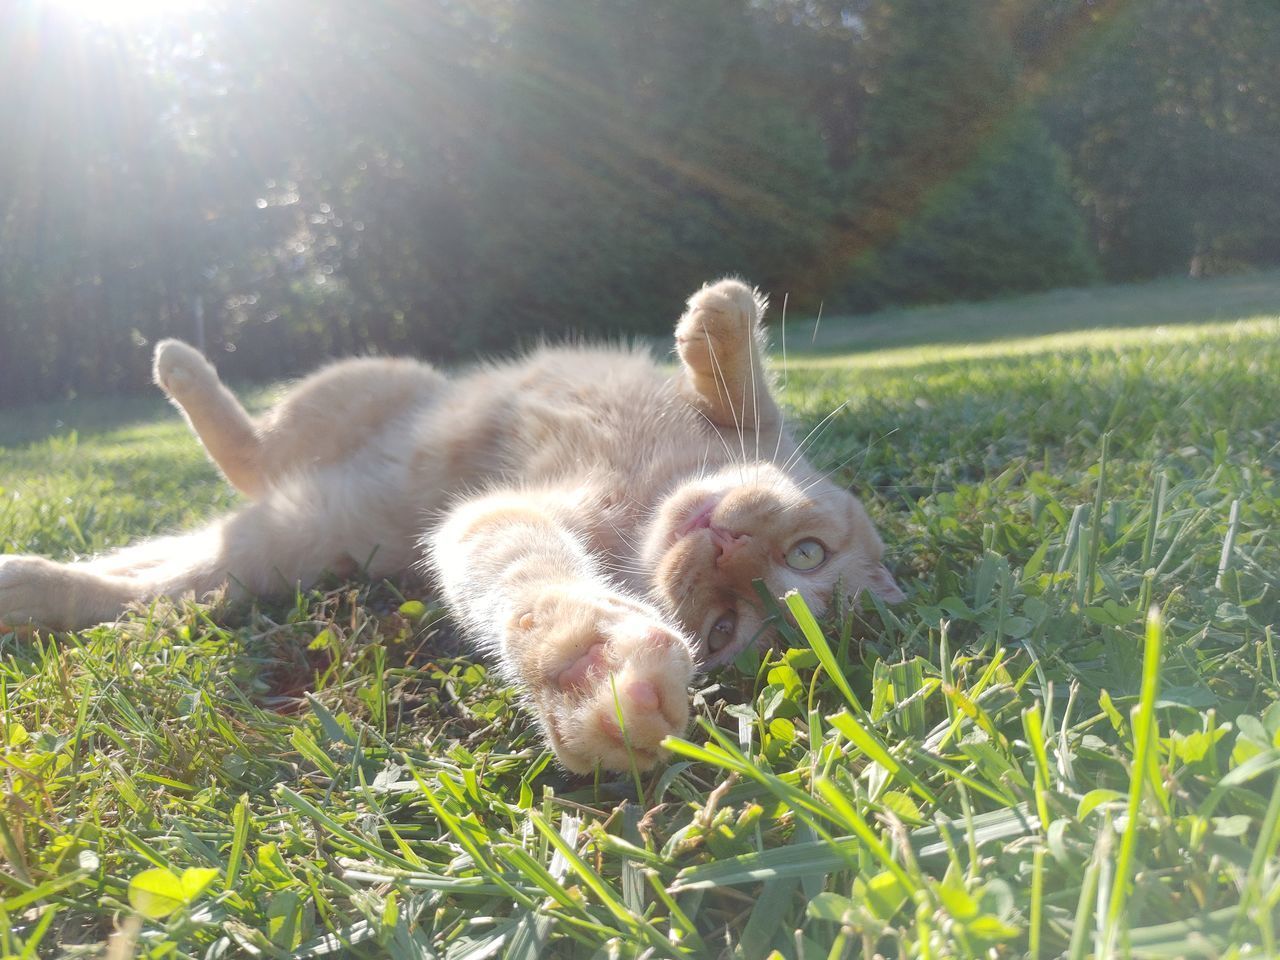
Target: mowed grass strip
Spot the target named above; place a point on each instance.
(1010, 763)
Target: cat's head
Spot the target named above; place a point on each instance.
(715, 535)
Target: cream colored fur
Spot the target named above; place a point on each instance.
(594, 522)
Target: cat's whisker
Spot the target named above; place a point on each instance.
(777, 446)
(820, 426)
(717, 373)
(706, 464)
(629, 573)
(728, 452)
(827, 474)
(786, 381)
(800, 453)
(811, 439)
(635, 551)
(722, 382)
(623, 537)
(684, 596)
(864, 453)
(753, 348)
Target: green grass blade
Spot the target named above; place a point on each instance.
(818, 641)
(1144, 725)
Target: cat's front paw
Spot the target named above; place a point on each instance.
(610, 679)
(716, 333)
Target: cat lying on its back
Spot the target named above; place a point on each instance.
(594, 522)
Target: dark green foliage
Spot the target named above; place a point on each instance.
(1171, 117)
(1006, 223)
(635, 159)
(322, 178)
(957, 191)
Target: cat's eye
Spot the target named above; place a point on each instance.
(722, 631)
(806, 555)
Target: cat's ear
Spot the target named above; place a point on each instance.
(884, 586)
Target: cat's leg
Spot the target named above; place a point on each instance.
(325, 521)
(254, 551)
(59, 596)
(721, 341)
(243, 549)
(585, 652)
(228, 433)
(326, 418)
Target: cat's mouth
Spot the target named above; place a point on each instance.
(698, 518)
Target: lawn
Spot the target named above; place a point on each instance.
(1019, 760)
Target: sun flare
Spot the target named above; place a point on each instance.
(125, 12)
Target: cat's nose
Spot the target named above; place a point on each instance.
(727, 543)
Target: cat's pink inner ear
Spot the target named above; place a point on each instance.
(884, 586)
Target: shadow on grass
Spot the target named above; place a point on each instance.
(92, 416)
(87, 416)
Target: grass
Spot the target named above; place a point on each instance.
(1019, 761)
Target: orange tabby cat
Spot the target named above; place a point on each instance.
(594, 522)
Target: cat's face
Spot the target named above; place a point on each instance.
(715, 535)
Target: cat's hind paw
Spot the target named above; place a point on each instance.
(612, 679)
(58, 596)
(180, 370)
(28, 592)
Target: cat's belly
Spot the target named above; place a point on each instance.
(363, 514)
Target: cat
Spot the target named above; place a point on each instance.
(593, 520)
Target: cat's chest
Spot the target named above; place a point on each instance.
(630, 440)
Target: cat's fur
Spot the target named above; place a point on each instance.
(593, 521)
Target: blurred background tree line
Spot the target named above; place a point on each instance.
(308, 178)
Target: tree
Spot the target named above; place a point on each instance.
(957, 191)
(448, 177)
(1172, 123)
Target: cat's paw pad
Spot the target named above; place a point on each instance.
(614, 680)
(180, 368)
(718, 325)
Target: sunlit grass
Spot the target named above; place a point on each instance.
(1052, 343)
(1015, 762)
